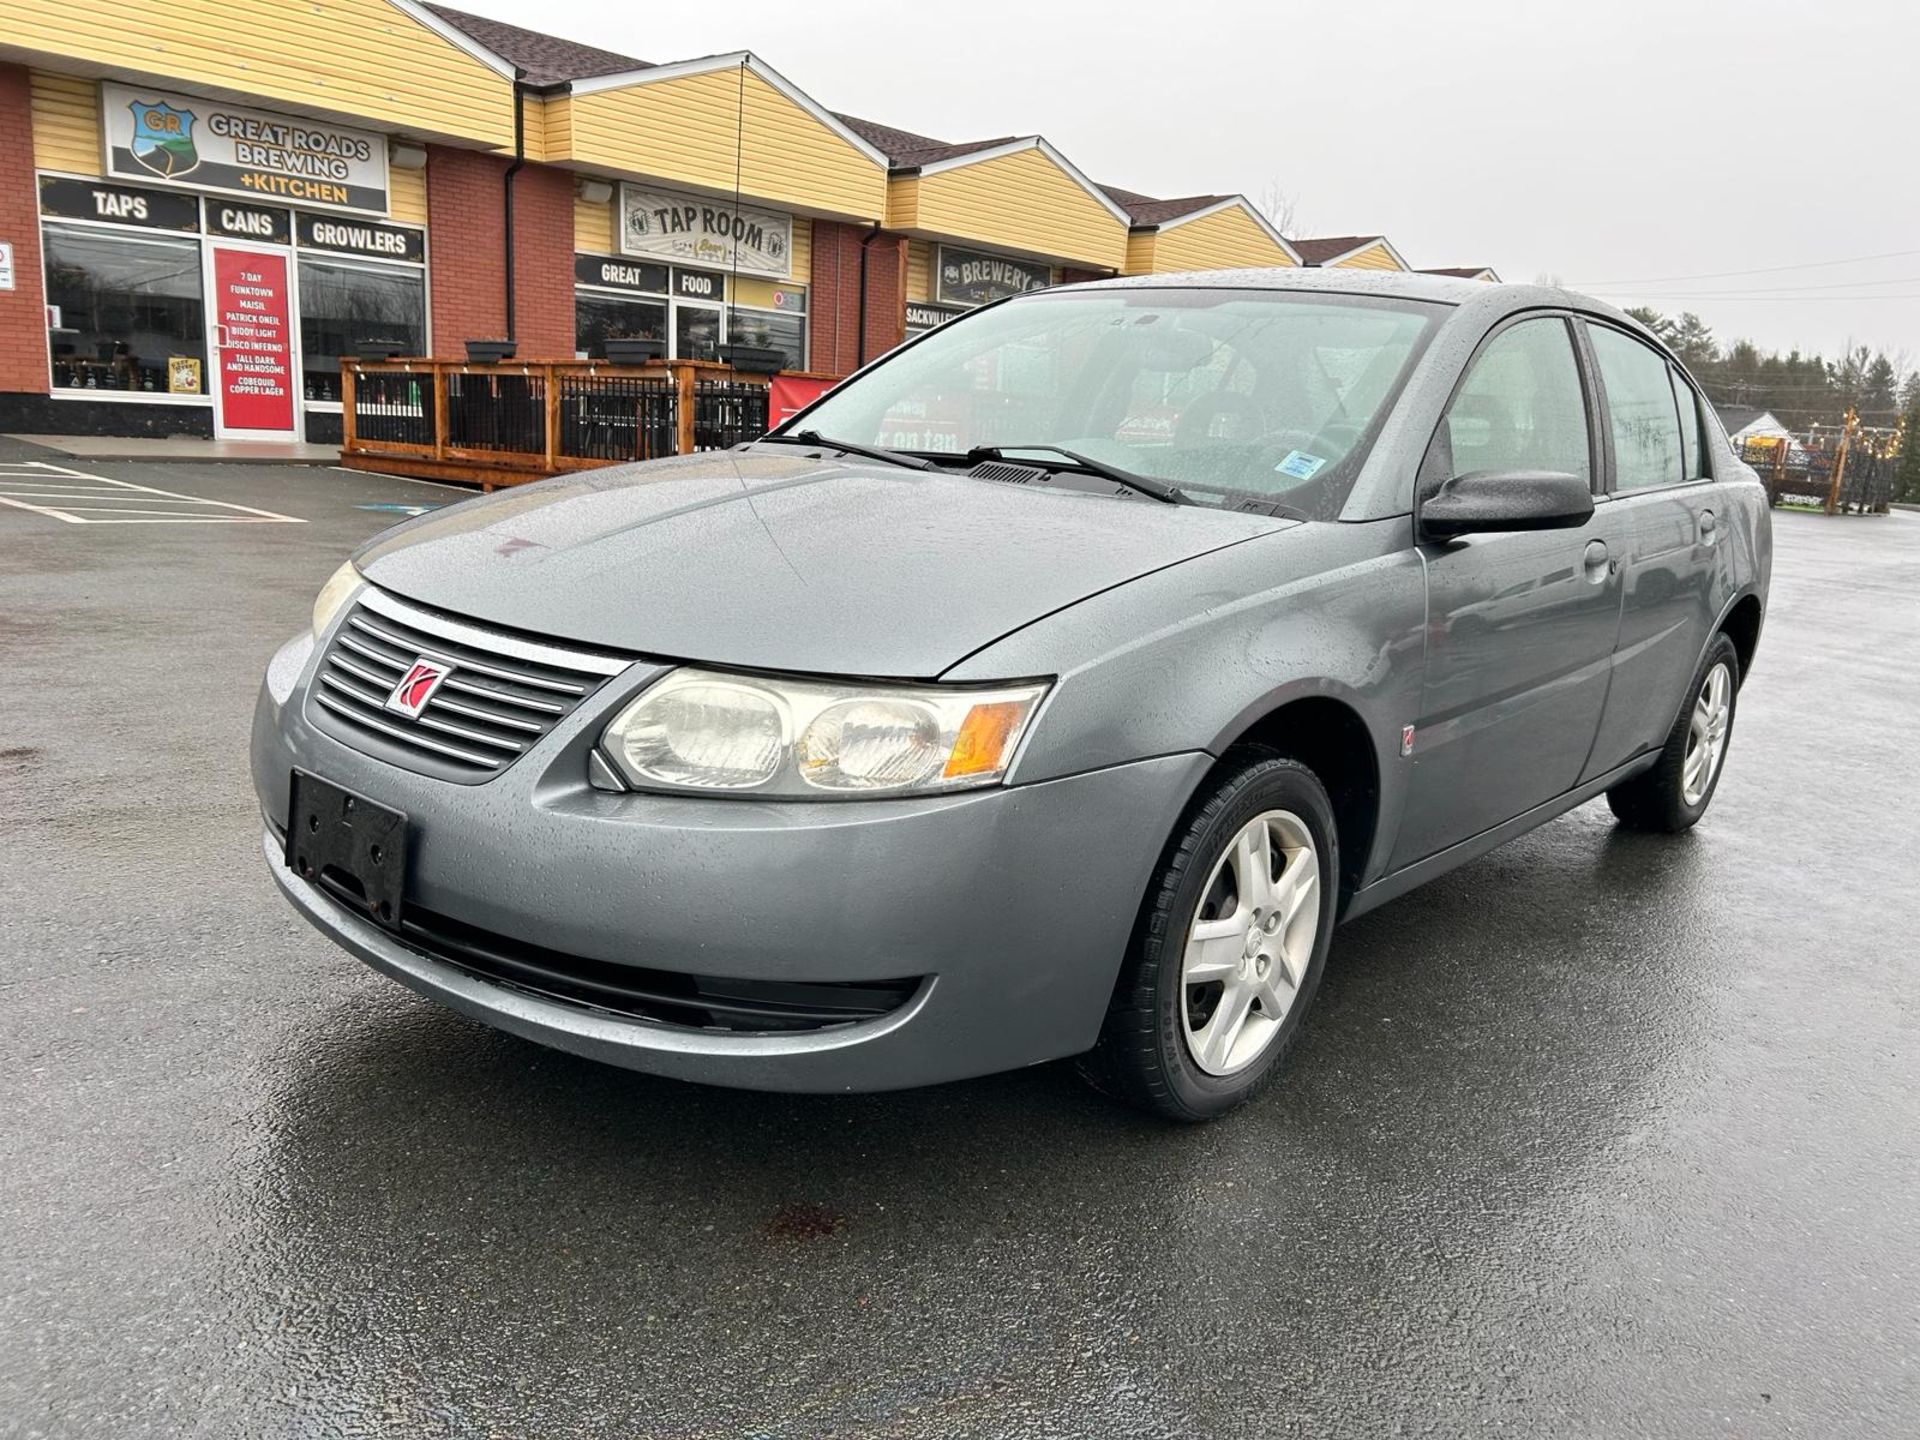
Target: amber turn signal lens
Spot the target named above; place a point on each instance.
(981, 746)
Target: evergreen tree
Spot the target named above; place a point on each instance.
(1906, 479)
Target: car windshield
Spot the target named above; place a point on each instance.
(1228, 394)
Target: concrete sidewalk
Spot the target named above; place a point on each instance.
(173, 448)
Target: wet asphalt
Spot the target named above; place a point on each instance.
(1602, 1135)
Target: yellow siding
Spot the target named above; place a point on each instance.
(919, 272)
(592, 227)
(1224, 240)
(1140, 247)
(903, 202)
(1374, 257)
(556, 128)
(66, 123)
(358, 59)
(684, 131)
(801, 270)
(1022, 202)
(407, 195)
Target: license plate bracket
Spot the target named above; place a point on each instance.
(352, 847)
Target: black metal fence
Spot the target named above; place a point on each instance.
(727, 413)
(395, 408)
(497, 412)
(617, 417)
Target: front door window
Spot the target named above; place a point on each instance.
(696, 331)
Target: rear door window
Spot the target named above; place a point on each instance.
(1640, 406)
(1692, 452)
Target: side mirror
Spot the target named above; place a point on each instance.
(1497, 500)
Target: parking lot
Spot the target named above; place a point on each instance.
(1602, 1134)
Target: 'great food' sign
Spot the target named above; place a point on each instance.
(699, 230)
(211, 145)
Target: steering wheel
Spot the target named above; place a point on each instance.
(1196, 421)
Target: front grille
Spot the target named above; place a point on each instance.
(501, 694)
(668, 997)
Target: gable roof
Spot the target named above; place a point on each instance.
(1328, 248)
(1464, 272)
(1740, 417)
(907, 151)
(1145, 210)
(543, 59)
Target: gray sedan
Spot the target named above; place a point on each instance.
(1050, 688)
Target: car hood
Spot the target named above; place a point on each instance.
(786, 561)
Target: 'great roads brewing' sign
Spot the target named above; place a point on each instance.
(697, 230)
(211, 145)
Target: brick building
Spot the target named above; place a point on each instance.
(208, 205)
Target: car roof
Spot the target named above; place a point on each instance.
(1490, 300)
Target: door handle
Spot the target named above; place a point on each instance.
(1596, 563)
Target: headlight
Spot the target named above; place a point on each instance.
(699, 730)
(335, 593)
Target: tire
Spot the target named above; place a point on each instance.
(1158, 1026)
(1665, 799)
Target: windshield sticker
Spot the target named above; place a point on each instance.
(1300, 465)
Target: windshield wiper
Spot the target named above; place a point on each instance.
(1142, 484)
(847, 447)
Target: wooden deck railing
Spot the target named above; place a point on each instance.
(506, 423)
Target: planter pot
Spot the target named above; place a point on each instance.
(489, 352)
(634, 352)
(754, 359)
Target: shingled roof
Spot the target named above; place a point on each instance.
(545, 59)
(1462, 272)
(1145, 210)
(907, 151)
(1331, 247)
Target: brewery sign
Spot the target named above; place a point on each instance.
(701, 231)
(256, 154)
(972, 277)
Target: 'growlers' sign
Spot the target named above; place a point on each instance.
(211, 145)
(699, 230)
(971, 277)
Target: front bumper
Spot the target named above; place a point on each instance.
(1015, 904)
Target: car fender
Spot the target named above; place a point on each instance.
(1193, 657)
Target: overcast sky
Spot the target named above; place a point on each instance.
(1605, 144)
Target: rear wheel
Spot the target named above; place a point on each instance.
(1675, 793)
(1229, 949)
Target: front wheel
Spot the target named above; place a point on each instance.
(1229, 948)
(1675, 793)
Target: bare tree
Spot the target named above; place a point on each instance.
(1282, 207)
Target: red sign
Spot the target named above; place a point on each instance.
(251, 331)
(789, 394)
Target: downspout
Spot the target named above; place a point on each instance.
(860, 340)
(506, 186)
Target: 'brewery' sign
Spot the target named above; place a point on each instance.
(969, 277)
(698, 230)
(209, 144)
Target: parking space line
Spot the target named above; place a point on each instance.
(25, 481)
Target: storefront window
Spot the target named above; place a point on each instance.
(125, 312)
(343, 306)
(773, 329)
(696, 332)
(598, 318)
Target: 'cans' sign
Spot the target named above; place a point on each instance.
(211, 145)
(699, 230)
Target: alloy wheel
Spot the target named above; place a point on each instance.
(1250, 942)
(1707, 735)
